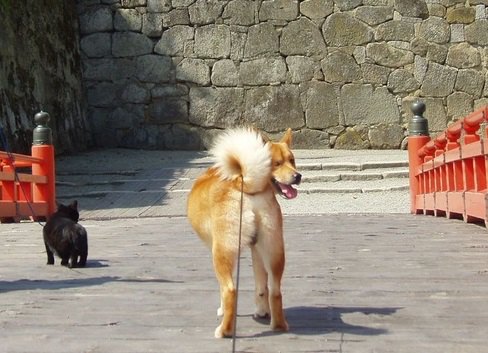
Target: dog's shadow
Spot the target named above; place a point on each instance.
(309, 320)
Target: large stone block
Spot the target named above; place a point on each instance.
(273, 108)
(477, 32)
(341, 29)
(126, 116)
(240, 12)
(225, 73)
(459, 104)
(286, 10)
(130, 44)
(435, 112)
(152, 24)
(375, 74)
(470, 81)
(395, 31)
(303, 68)
(353, 138)
(346, 5)
(193, 70)
(216, 107)
(173, 40)
(262, 39)
(374, 15)
(158, 5)
(321, 105)
(96, 19)
(412, 8)
(302, 37)
(316, 9)
(127, 20)
(310, 139)
(439, 81)
(362, 104)
(204, 12)
(176, 17)
(464, 15)
(167, 110)
(340, 67)
(135, 93)
(96, 45)
(112, 69)
(212, 41)
(154, 68)
(436, 30)
(386, 136)
(103, 94)
(263, 71)
(402, 81)
(463, 56)
(389, 56)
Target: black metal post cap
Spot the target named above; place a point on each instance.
(41, 118)
(418, 108)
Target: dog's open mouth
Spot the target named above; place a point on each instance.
(284, 190)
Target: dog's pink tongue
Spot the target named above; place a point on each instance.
(289, 191)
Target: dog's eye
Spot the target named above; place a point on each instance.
(278, 163)
(292, 161)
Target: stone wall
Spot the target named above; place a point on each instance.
(40, 68)
(341, 73)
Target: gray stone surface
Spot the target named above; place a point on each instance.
(361, 274)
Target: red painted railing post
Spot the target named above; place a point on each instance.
(42, 148)
(418, 136)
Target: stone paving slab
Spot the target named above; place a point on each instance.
(353, 283)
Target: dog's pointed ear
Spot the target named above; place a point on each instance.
(265, 137)
(287, 137)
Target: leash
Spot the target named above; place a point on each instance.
(238, 266)
(11, 160)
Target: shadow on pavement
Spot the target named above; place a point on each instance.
(28, 284)
(309, 320)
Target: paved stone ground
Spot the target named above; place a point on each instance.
(353, 283)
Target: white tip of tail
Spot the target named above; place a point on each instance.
(243, 152)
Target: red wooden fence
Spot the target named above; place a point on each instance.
(29, 194)
(448, 173)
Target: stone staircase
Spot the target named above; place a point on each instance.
(128, 183)
(354, 177)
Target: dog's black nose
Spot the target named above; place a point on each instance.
(297, 178)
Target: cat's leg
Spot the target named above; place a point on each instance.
(83, 256)
(65, 261)
(50, 256)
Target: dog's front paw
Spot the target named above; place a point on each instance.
(221, 333)
(218, 332)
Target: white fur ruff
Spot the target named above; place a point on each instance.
(253, 156)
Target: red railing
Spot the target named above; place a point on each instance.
(29, 194)
(448, 173)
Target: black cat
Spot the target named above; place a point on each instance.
(66, 238)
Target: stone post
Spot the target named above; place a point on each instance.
(43, 149)
(418, 136)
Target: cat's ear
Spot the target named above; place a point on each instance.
(74, 205)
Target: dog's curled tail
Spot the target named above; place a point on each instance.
(243, 152)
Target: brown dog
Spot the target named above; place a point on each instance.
(266, 168)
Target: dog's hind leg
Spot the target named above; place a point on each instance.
(224, 265)
(271, 249)
(278, 321)
(261, 285)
